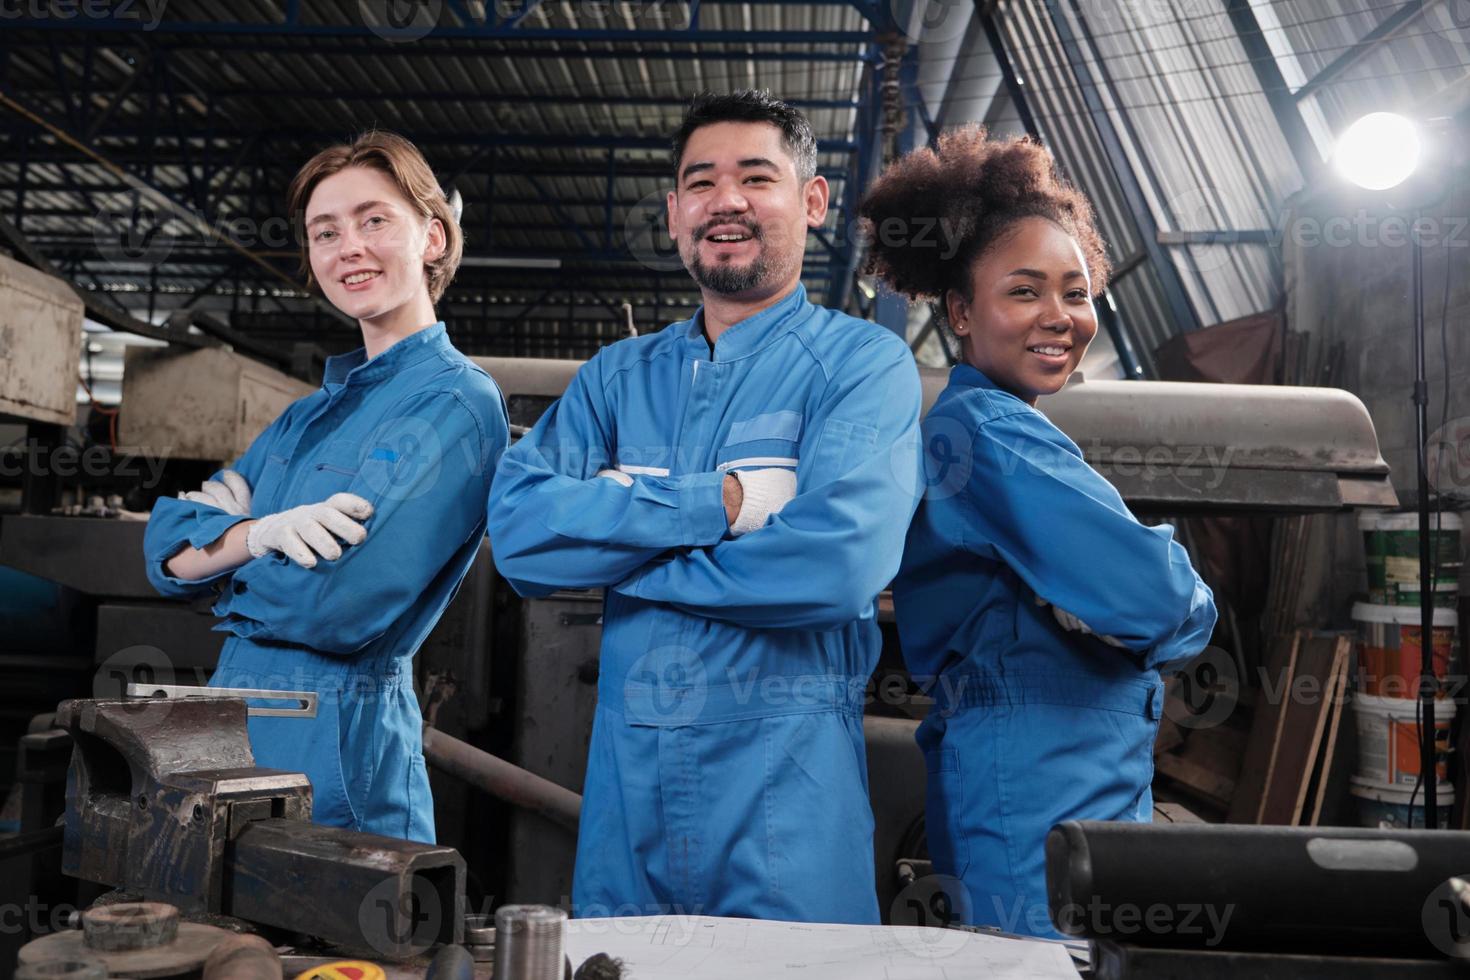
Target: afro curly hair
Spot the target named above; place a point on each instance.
(933, 212)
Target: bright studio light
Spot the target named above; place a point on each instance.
(1378, 151)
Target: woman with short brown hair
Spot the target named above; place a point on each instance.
(393, 455)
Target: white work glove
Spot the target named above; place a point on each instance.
(300, 530)
(617, 476)
(762, 493)
(232, 495)
(1074, 625)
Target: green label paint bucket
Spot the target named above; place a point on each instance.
(1391, 545)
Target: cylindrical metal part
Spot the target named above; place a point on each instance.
(501, 779)
(62, 970)
(243, 958)
(528, 942)
(479, 929)
(130, 925)
(451, 963)
(1343, 890)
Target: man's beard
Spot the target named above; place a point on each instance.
(729, 279)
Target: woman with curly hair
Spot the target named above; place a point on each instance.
(1040, 606)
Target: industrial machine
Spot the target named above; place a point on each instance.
(164, 802)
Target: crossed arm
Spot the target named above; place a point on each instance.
(816, 564)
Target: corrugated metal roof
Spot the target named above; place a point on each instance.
(574, 132)
(1197, 133)
(556, 137)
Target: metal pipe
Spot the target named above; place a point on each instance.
(1428, 683)
(501, 779)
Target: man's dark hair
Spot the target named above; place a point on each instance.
(751, 105)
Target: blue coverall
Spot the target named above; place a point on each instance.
(1032, 724)
(726, 774)
(416, 431)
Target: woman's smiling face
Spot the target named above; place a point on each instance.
(1029, 317)
(368, 245)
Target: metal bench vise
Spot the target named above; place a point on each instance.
(163, 799)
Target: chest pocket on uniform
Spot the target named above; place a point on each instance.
(331, 469)
(772, 439)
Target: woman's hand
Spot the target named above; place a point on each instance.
(300, 531)
(1072, 624)
(231, 494)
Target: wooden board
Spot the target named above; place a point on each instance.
(1196, 779)
(1260, 752)
(1337, 707)
(1303, 723)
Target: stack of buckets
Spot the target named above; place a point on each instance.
(1389, 652)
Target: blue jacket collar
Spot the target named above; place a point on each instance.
(752, 333)
(970, 377)
(355, 368)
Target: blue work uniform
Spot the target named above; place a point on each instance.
(726, 773)
(1032, 724)
(416, 432)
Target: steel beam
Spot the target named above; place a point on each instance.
(1007, 69)
(487, 32)
(862, 168)
(431, 138)
(1389, 26)
(1274, 88)
(458, 98)
(1175, 295)
(424, 49)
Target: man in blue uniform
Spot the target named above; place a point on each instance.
(739, 484)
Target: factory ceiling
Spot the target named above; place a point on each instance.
(148, 144)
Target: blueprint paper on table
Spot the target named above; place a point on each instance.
(695, 947)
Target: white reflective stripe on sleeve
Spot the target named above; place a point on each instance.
(759, 461)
